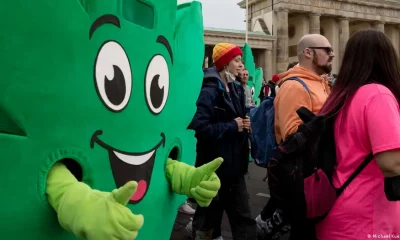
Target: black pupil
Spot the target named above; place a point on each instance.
(115, 88)
(156, 93)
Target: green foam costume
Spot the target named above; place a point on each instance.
(95, 96)
(249, 64)
(258, 78)
(255, 74)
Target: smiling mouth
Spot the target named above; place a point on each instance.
(129, 166)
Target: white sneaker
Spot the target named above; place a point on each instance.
(262, 226)
(186, 208)
(218, 238)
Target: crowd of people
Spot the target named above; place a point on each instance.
(363, 102)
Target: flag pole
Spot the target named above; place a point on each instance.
(247, 19)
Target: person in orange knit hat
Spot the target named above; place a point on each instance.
(222, 129)
(223, 53)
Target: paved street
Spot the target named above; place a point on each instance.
(259, 195)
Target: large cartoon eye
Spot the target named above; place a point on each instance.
(113, 76)
(253, 91)
(157, 84)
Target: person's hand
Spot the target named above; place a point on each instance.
(247, 124)
(239, 122)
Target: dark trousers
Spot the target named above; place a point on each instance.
(268, 209)
(234, 199)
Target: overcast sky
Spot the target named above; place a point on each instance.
(222, 14)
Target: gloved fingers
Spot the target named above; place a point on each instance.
(132, 235)
(197, 196)
(117, 233)
(213, 185)
(122, 224)
(212, 166)
(204, 204)
(123, 194)
(133, 222)
(206, 193)
(124, 234)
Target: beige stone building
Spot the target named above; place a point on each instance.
(277, 25)
(262, 45)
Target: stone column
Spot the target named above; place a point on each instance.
(398, 38)
(249, 19)
(282, 44)
(344, 32)
(380, 26)
(268, 65)
(260, 58)
(395, 37)
(315, 26)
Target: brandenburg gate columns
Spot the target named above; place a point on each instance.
(268, 65)
(315, 26)
(344, 33)
(282, 43)
(392, 32)
(396, 35)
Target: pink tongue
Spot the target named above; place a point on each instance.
(140, 191)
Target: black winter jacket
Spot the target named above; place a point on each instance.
(216, 130)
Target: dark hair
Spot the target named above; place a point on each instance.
(292, 65)
(369, 57)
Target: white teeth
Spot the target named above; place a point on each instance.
(134, 160)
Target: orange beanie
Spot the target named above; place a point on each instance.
(223, 53)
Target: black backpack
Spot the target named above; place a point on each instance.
(272, 86)
(300, 177)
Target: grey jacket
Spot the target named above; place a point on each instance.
(249, 96)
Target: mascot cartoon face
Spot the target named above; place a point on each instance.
(108, 84)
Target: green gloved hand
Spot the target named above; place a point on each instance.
(199, 183)
(89, 213)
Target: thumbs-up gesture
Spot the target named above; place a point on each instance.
(200, 183)
(92, 214)
(89, 213)
(100, 215)
(205, 183)
(96, 215)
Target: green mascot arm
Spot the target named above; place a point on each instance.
(89, 213)
(200, 183)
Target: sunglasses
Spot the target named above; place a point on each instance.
(328, 50)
